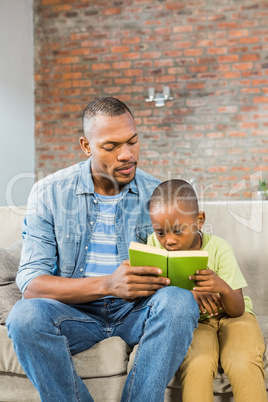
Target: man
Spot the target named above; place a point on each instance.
(75, 262)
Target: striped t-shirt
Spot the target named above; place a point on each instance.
(102, 256)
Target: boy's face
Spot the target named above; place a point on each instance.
(176, 228)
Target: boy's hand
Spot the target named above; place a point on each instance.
(208, 302)
(207, 281)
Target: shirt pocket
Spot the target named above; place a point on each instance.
(142, 232)
(68, 247)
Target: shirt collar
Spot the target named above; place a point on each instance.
(85, 183)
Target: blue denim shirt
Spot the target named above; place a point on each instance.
(61, 215)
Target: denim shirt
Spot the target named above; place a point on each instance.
(61, 215)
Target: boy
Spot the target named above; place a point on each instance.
(227, 328)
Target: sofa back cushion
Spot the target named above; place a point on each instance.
(9, 291)
(11, 219)
(244, 225)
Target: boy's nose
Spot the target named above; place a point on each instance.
(170, 241)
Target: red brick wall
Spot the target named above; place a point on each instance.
(212, 54)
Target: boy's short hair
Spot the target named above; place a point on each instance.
(175, 192)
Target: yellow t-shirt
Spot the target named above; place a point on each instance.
(221, 260)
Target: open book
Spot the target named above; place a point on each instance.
(175, 265)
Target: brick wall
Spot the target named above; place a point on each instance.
(212, 54)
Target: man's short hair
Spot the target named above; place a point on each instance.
(106, 106)
(175, 193)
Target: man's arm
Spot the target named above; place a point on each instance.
(40, 255)
(126, 282)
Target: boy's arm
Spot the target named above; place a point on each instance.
(232, 300)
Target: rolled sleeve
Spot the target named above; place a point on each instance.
(39, 255)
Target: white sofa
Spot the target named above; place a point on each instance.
(104, 367)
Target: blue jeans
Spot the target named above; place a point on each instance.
(45, 334)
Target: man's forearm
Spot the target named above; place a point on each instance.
(126, 282)
(67, 290)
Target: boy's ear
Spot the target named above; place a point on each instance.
(200, 219)
(85, 145)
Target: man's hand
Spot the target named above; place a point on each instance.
(208, 302)
(207, 281)
(130, 283)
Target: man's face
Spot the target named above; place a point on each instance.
(114, 147)
(176, 228)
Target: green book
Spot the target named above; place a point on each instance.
(175, 265)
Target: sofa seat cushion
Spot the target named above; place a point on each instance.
(8, 359)
(105, 359)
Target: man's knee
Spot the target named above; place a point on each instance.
(177, 302)
(25, 316)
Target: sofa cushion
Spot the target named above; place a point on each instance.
(8, 360)
(243, 225)
(105, 359)
(9, 292)
(263, 321)
(11, 219)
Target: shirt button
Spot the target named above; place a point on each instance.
(91, 223)
(67, 236)
(81, 269)
(95, 201)
(86, 247)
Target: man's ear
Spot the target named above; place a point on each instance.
(85, 145)
(200, 219)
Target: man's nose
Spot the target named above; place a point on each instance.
(124, 153)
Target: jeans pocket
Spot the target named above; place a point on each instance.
(68, 245)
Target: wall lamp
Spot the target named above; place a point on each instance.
(159, 98)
